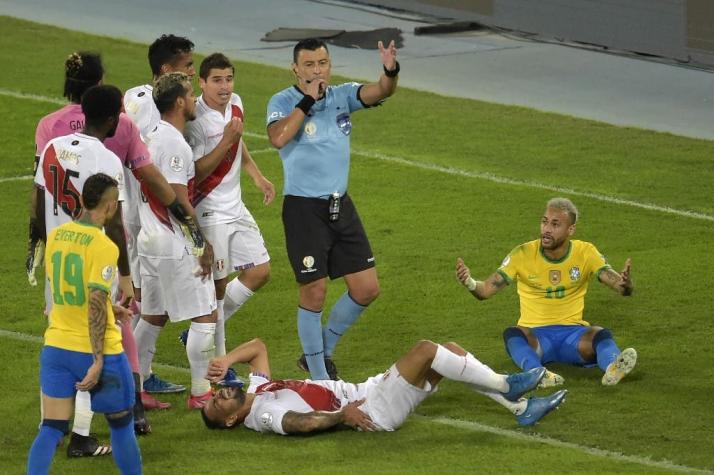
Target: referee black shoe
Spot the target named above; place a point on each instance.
(329, 366)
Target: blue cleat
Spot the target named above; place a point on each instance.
(538, 407)
(183, 337)
(156, 385)
(521, 383)
(231, 380)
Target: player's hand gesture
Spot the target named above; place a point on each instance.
(205, 261)
(126, 290)
(463, 273)
(122, 314)
(233, 131)
(355, 418)
(626, 284)
(91, 379)
(388, 55)
(217, 369)
(267, 188)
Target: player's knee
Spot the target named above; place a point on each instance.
(312, 295)
(426, 348)
(120, 419)
(454, 348)
(365, 295)
(62, 426)
(602, 335)
(513, 332)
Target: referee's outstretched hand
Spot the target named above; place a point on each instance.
(388, 55)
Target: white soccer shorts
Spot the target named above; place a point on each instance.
(170, 286)
(132, 247)
(237, 246)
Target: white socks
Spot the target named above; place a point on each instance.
(146, 335)
(236, 295)
(517, 407)
(467, 369)
(82, 413)
(220, 337)
(200, 348)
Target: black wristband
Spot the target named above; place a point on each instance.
(394, 72)
(305, 103)
(178, 211)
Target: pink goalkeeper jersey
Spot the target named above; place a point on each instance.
(126, 144)
(217, 198)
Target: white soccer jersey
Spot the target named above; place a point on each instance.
(217, 198)
(140, 107)
(65, 164)
(160, 234)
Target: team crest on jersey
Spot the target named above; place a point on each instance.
(574, 273)
(310, 128)
(220, 264)
(266, 419)
(344, 123)
(176, 163)
(108, 273)
(554, 276)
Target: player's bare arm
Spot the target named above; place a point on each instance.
(317, 421)
(97, 330)
(262, 183)
(482, 290)
(232, 133)
(254, 353)
(37, 235)
(114, 229)
(155, 180)
(619, 282)
(375, 92)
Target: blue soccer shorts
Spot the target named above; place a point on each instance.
(61, 369)
(559, 344)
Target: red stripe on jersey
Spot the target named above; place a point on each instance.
(214, 179)
(64, 194)
(317, 397)
(160, 211)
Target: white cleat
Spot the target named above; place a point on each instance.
(551, 380)
(619, 368)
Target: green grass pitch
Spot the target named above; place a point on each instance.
(426, 179)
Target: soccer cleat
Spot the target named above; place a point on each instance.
(154, 384)
(619, 368)
(231, 379)
(329, 366)
(150, 402)
(183, 337)
(538, 407)
(86, 446)
(521, 383)
(551, 380)
(197, 402)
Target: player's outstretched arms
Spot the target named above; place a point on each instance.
(620, 283)
(482, 290)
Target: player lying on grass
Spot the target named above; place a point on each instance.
(381, 403)
(553, 273)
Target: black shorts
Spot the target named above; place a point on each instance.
(318, 247)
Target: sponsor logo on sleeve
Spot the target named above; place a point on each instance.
(506, 261)
(176, 163)
(266, 419)
(108, 273)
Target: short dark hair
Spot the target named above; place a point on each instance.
(311, 44)
(168, 88)
(214, 61)
(211, 424)
(166, 50)
(94, 189)
(82, 70)
(100, 103)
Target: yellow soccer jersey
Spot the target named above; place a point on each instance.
(78, 258)
(552, 292)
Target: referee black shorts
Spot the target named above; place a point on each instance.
(318, 247)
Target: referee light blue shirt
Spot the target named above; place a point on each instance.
(316, 162)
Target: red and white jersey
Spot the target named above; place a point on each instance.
(217, 198)
(126, 144)
(160, 234)
(274, 398)
(140, 107)
(65, 164)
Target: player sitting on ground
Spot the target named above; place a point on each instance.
(553, 273)
(382, 403)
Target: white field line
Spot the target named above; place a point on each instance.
(441, 169)
(473, 427)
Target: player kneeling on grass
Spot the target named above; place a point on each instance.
(553, 273)
(83, 349)
(381, 403)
